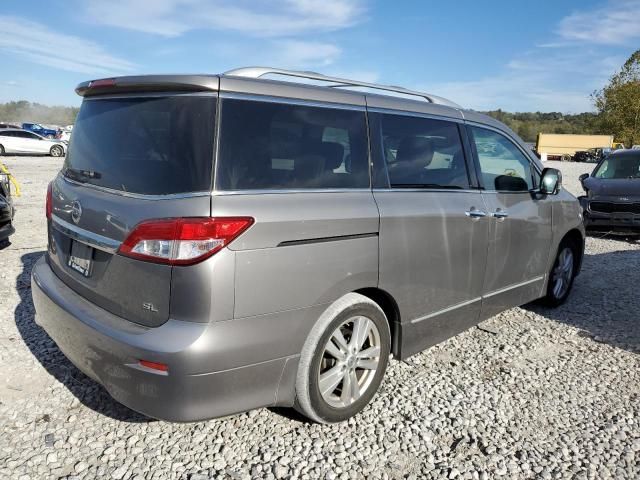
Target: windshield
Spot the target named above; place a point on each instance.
(144, 145)
(619, 166)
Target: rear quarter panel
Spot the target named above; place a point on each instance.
(334, 250)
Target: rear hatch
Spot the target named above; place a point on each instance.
(132, 157)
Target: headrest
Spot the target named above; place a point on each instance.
(415, 149)
(333, 153)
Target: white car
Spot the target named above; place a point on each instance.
(21, 141)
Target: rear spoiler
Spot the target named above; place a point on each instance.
(149, 83)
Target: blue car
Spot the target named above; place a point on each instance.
(40, 130)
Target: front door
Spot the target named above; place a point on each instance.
(519, 223)
(35, 143)
(433, 229)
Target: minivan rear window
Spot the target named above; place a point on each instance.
(144, 145)
(269, 145)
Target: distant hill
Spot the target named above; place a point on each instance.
(529, 124)
(23, 111)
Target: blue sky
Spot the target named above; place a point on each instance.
(515, 55)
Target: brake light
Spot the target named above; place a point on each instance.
(49, 202)
(182, 241)
(105, 82)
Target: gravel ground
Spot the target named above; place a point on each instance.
(533, 393)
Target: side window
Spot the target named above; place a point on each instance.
(504, 167)
(266, 145)
(423, 153)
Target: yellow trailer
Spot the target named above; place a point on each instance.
(556, 146)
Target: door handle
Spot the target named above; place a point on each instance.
(500, 214)
(473, 213)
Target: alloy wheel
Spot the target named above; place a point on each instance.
(349, 362)
(563, 273)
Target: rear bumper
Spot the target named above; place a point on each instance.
(107, 348)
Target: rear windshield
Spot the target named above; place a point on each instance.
(144, 145)
(267, 145)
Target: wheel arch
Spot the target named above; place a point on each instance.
(390, 308)
(575, 237)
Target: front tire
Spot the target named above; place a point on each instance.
(56, 151)
(1, 150)
(343, 360)
(561, 275)
(566, 158)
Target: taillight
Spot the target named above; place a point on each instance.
(182, 241)
(161, 367)
(49, 202)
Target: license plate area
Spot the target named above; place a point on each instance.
(81, 258)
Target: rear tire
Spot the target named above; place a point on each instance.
(562, 274)
(343, 360)
(1, 150)
(565, 158)
(56, 151)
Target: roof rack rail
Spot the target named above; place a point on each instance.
(257, 72)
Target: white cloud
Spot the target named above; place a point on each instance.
(558, 75)
(559, 81)
(299, 54)
(617, 23)
(512, 93)
(39, 44)
(260, 18)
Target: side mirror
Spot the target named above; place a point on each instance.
(583, 177)
(551, 181)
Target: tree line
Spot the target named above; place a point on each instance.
(23, 111)
(528, 124)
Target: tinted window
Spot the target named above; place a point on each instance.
(147, 145)
(617, 166)
(423, 153)
(25, 135)
(504, 167)
(267, 145)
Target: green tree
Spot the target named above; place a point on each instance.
(618, 103)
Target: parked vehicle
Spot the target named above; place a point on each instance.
(8, 125)
(40, 130)
(6, 206)
(340, 227)
(612, 201)
(635, 147)
(589, 156)
(64, 135)
(22, 141)
(555, 146)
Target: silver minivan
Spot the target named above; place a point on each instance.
(226, 242)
